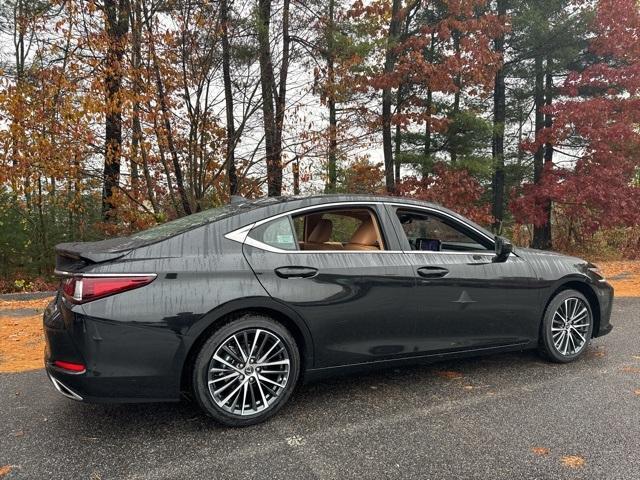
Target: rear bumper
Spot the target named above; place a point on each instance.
(63, 389)
(123, 363)
(87, 388)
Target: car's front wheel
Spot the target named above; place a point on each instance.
(567, 327)
(246, 371)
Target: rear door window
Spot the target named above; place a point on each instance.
(277, 233)
(355, 228)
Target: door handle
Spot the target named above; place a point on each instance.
(432, 272)
(296, 272)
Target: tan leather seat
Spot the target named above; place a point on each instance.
(364, 238)
(321, 234)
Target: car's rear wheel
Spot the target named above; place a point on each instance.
(246, 371)
(567, 327)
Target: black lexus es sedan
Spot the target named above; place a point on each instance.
(237, 304)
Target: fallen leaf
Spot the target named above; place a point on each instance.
(599, 353)
(631, 369)
(5, 470)
(637, 357)
(38, 304)
(540, 451)
(468, 387)
(573, 461)
(637, 392)
(624, 276)
(450, 374)
(295, 441)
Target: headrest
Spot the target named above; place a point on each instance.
(366, 234)
(321, 232)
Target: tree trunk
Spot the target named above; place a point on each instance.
(116, 26)
(232, 176)
(497, 145)
(164, 109)
(548, 152)
(19, 32)
(426, 170)
(42, 224)
(333, 148)
(267, 86)
(273, 116)
(331, 104)
(453, 148)
(163, 161)
(296, 177)
(137, 141)
(136, 135)
(541, 234)
(398, 137)
(281, 99)
(387, 98)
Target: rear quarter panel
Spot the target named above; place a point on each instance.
(147, 333)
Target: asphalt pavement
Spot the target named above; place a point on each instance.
(506, 416)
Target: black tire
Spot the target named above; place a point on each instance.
(202, 365)
(548, 348)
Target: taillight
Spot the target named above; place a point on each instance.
(69, 286)
(82, 289)
(72, 367)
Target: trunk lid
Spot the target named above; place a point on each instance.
(72, 257)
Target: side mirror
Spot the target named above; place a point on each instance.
(503, 249)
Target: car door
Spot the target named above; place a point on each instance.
(355, 302)
(464, 300)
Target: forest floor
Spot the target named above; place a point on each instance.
(22, 343)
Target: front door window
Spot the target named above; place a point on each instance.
(428, 232)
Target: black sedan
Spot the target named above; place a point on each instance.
(236, 305)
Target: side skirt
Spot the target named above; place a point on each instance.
(315, 374)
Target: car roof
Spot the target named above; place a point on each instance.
(320, 199)
(338, 197)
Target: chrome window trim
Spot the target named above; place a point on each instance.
(62, 273)
(452, 217)
(488, 253)
(313, 207)
(241, 235)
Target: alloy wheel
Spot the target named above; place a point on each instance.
(248, 372)
(570, 326)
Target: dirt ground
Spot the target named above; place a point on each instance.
(624, 276)
(22, 343)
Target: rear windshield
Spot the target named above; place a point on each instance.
(180, 225)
